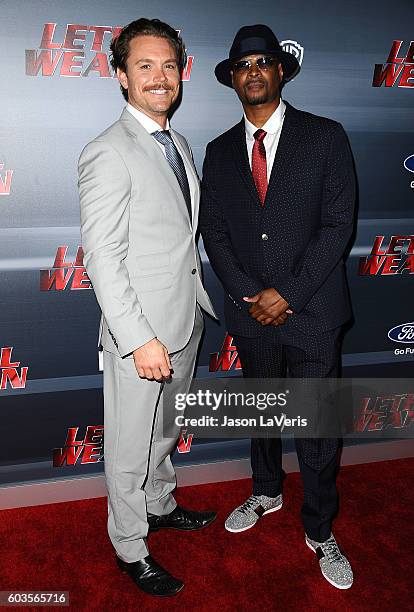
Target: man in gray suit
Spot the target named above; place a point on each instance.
(139, 197)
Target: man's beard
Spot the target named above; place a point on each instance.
(255, 101)
(255, 98)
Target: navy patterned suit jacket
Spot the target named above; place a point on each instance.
(296, 241)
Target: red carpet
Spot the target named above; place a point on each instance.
(65, 547)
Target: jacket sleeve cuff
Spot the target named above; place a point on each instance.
(133, 337)
(292, 297)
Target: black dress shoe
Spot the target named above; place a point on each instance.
(151, 577)
(180, 518)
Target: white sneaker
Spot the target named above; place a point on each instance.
(335, 567)
(247, 515)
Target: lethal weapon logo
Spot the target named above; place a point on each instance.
(89, 449)
(11, 374)
(184, 444)
(396, 258)
(65, 274)
(227, 359)
(5, 181)
(386, 412)
(82, 50)
(398, 70)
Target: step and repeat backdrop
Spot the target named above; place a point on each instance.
(58, 92)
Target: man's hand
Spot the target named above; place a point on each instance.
(268, 306)
(152, 361)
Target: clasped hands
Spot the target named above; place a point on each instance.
(269, 307)
(153, 362)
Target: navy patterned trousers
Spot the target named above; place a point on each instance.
(299, 356)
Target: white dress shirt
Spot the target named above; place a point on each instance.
(273, 129)
(152, 126)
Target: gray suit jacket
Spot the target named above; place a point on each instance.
(139, 246)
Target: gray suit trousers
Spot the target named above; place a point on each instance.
(139, 474)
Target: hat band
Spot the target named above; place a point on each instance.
(247, 44)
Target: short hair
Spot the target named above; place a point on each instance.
(144, 27)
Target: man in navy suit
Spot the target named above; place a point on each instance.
(277, 209)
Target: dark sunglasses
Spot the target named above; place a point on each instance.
(263, 63)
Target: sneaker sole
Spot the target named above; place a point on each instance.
(250, 526)
(337, 586)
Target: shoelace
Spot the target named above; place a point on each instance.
(331, 551)
(249, 503)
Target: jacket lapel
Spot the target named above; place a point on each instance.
(288, 142)
(185, 153)
(147, 143)
(241, 160)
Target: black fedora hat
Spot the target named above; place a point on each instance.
(256, 39)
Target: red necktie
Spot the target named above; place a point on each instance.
(259, 166)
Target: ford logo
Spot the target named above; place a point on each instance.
(402, 333)
(409, 163)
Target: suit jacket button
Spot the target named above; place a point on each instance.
(265, 237)
(193, 271)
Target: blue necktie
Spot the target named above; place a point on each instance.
(176, 162)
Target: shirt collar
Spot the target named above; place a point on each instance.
(271, 126)
(147, 123)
